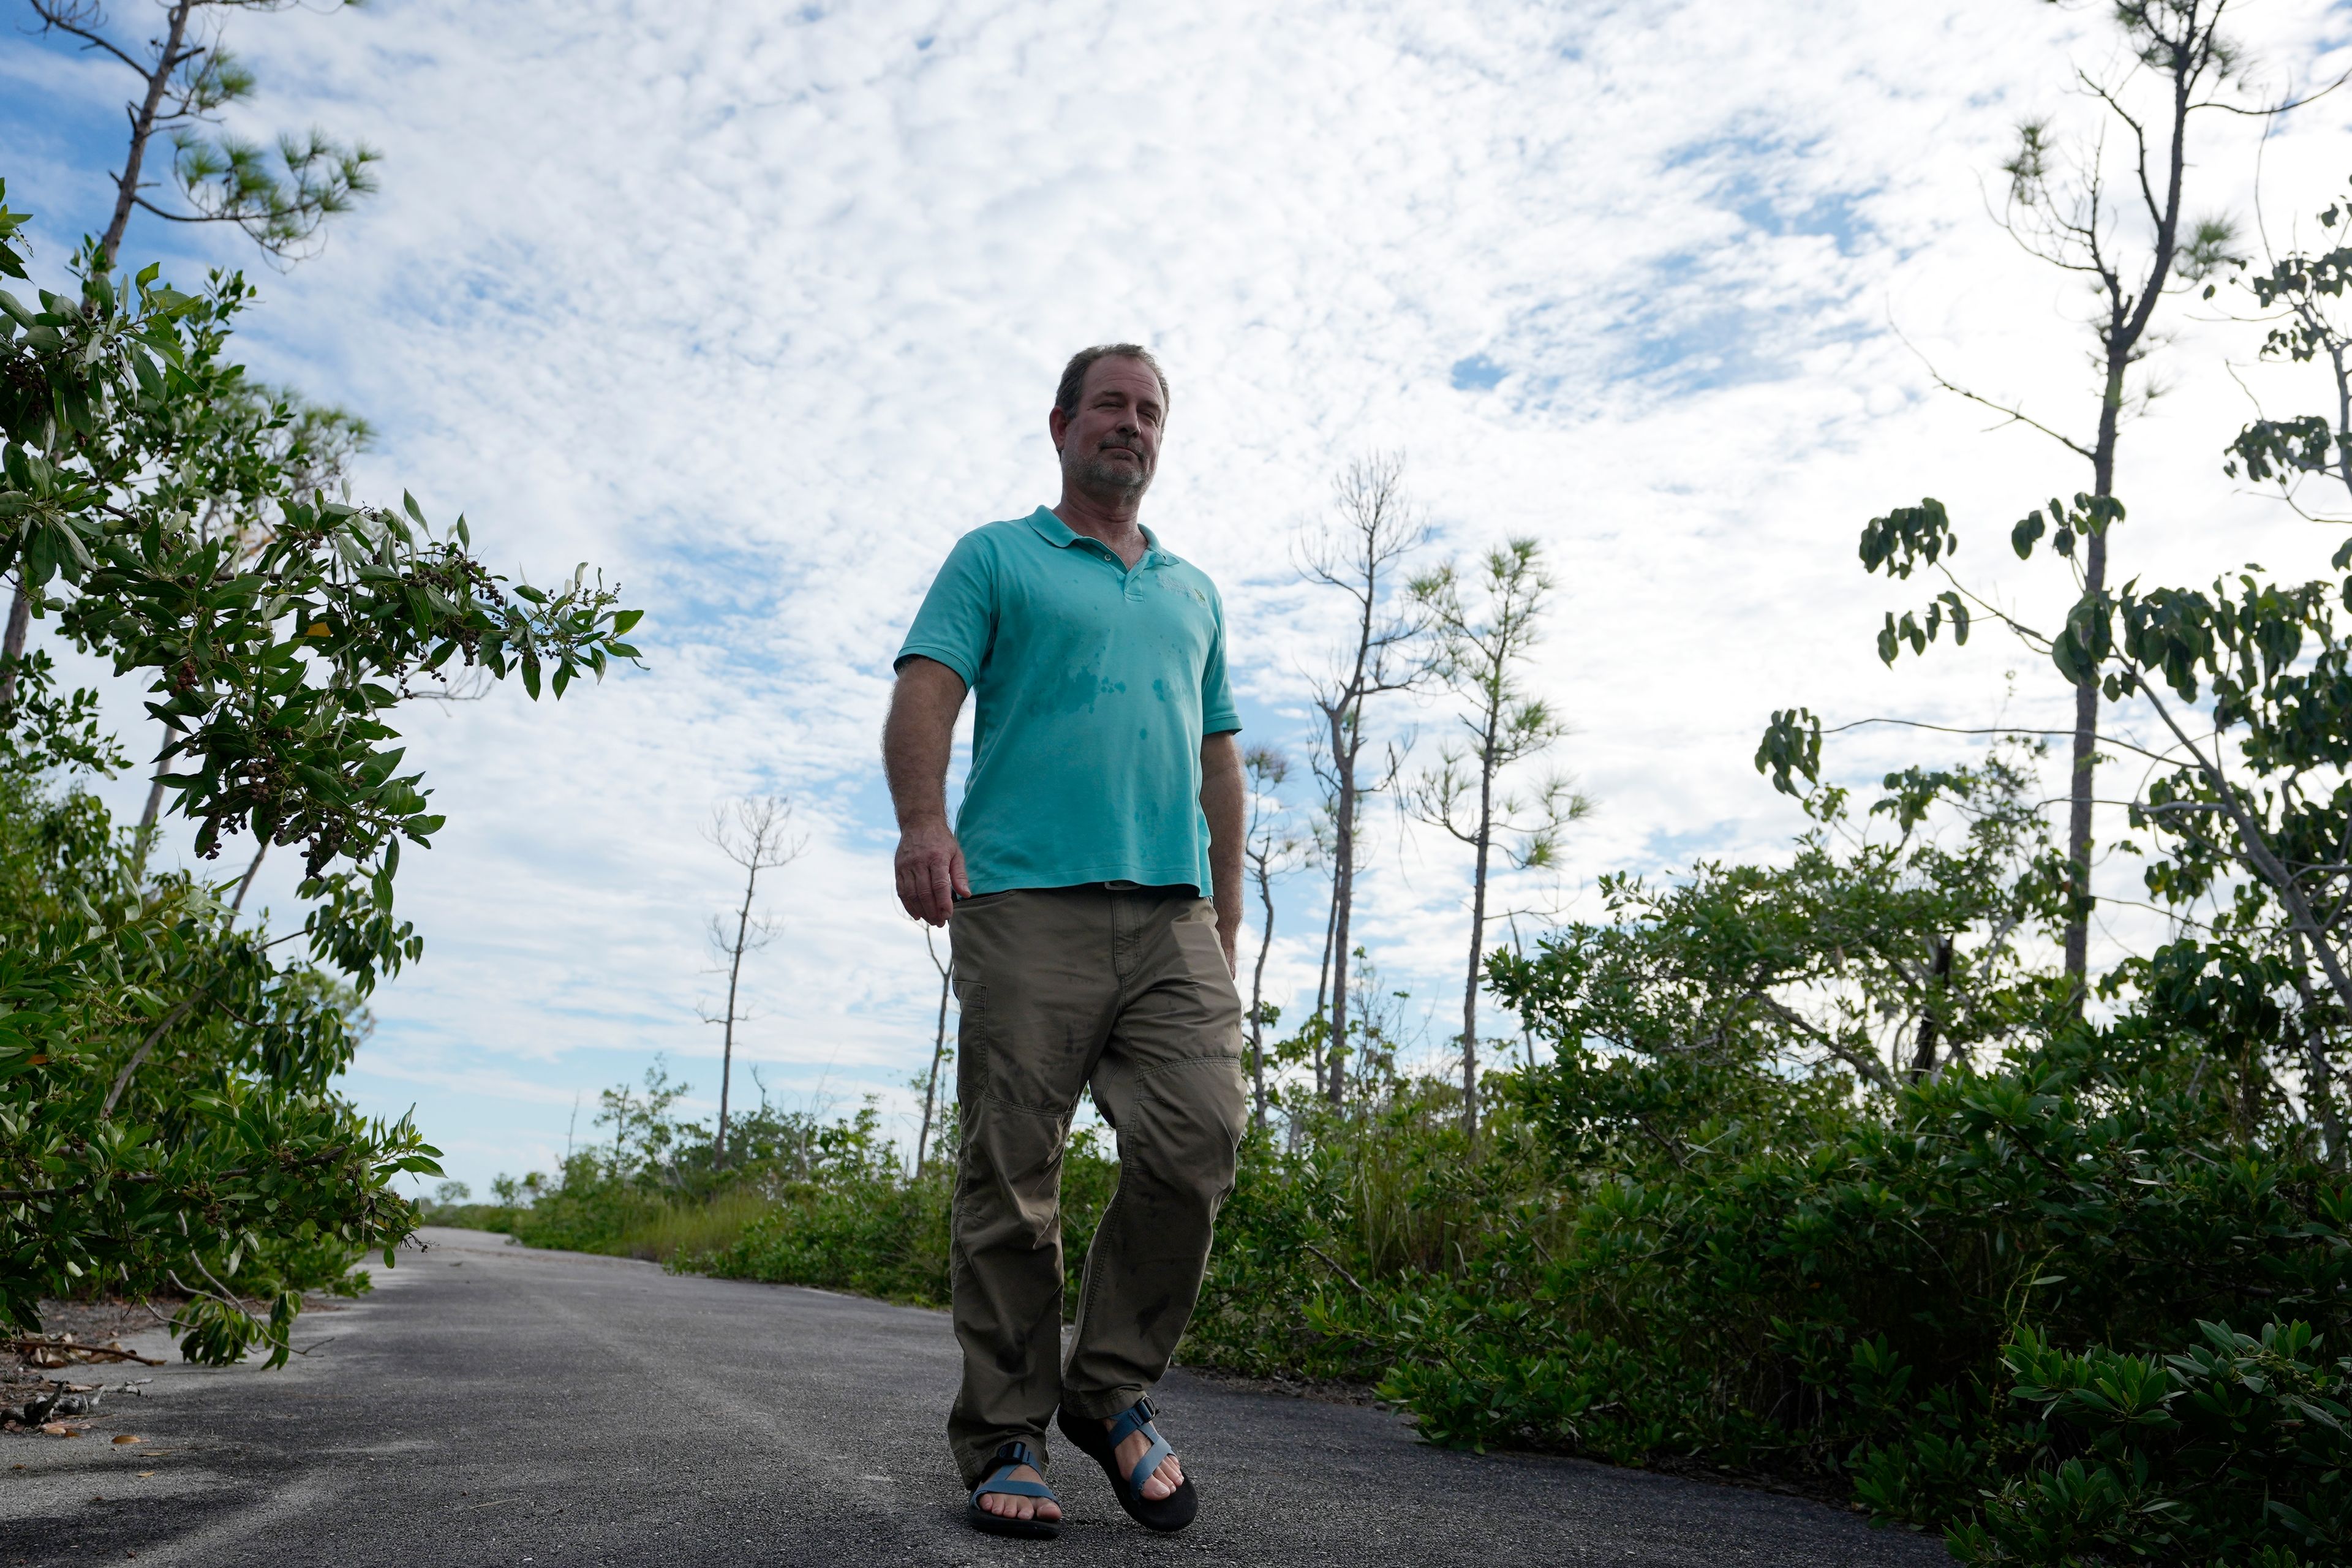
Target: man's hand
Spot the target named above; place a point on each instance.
(916, 739)
(930, 871)
(1225, 801)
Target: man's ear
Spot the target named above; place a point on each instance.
(1057, 425)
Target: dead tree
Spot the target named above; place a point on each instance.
(756, 834)
(1481, 655)
(938, 1054)
(1360, 551)
(1271, 849)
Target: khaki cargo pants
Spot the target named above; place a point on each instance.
(1123, 988)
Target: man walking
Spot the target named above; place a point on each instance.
(1105, 799)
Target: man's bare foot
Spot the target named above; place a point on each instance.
(1161, 1482)
(1013, 1507)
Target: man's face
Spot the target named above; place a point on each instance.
(1110, 446)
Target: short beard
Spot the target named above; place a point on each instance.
(1097, 476)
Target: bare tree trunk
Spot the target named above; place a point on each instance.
(12, 645)
(1323, 982)
(246, 881)
(1478, 940)
(126, 195)
(758, 838)
(939, 1050)
(143, 128)
(1257, 995)
(2127, 320)
(1376, 530)
(1940, 976)
(1343, 895)
(734, 976)
(149, 816)
(2085, 747)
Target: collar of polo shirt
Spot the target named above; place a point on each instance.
(1061, 535)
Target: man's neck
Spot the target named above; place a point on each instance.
(1114, 525)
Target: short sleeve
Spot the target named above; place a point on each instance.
(1218, 715)
(958, 614)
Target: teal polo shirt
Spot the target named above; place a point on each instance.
(1094, 684)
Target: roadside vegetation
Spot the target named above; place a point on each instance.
(2067, 1290)
(169, 1124)
(1863, 1169)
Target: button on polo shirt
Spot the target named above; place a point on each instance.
(1094, 684)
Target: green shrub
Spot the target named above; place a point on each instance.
(879, 1234)
(2236, 1450)
(690, 1228)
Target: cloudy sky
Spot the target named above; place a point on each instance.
(757, 310)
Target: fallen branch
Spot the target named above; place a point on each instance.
(1329, 1262)
(32, 1347)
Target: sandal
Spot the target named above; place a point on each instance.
(1169, 1514)
(1008, 1458)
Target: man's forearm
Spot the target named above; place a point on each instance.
(1224, 802)
(918, 738)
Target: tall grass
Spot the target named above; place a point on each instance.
(690, 1228)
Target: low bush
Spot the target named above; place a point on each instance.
(883, 1234)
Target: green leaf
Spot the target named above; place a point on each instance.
(2028, 529)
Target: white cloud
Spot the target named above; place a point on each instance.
(759, 312)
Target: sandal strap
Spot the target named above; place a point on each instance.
(993, 1487)
(1136, 1417)
(1152, 1457)
(1010, 1456)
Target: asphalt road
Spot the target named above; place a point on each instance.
(492, 1405)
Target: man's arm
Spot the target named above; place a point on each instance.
(917, 739)
(1225, 801)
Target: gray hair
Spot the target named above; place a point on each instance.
(1074, 374)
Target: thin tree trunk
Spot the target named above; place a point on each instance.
(2086, 708)
(12, 643)
(1343, 893)
(1323, 981)
(1939, 974)
(1257, 995)
(1477, 936)
(152, 813)
(931, 1085)
(143, 128)
(126, 195)
(2343, 414)
(2127, 321)
(734, 974)
(246, 881)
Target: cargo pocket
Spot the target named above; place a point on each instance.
(974, 1024)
